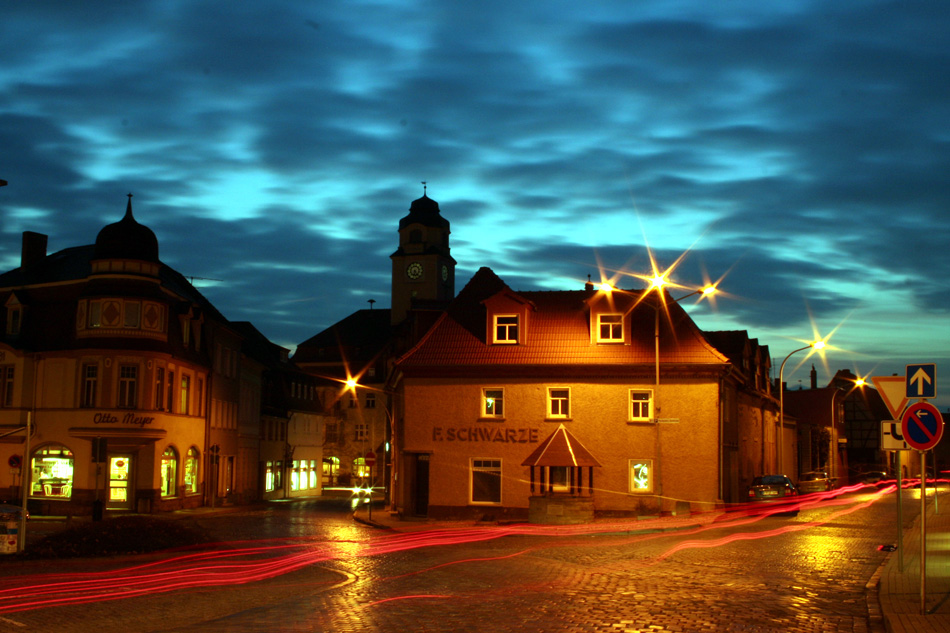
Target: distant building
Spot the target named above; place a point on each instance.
(362, 346)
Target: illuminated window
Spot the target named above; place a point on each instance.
(559, 402)
(169, 472)
(494, 403)
(506, 329)
(610, 328)
(52, 470)
(641, 475)
(486, 481)
(360, 469)
(270, 479)
(6, 385)
(128, 386)
(331, 470)
(640, 405)
(191, 471)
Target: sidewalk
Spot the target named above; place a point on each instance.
(893, 594)
(899, 590)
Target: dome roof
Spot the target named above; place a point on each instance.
(127, 239)
(424, 211)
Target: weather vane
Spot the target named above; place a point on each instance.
(424, 187)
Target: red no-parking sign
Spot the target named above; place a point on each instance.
(922, 426)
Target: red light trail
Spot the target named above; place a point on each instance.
(260, 561)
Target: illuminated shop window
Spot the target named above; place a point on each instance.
(506, 329)
(312, 474)
(331, 470)
(559, 402)
(52, 470)
(486, 481)
(641, 475)
(360, 469)
(191, 471)
(493, 403)
(610, 328)
(640, 405)
(295, 475)
(169, 472)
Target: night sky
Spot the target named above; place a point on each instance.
(800, 151)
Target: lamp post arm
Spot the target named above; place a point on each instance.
(781, 408)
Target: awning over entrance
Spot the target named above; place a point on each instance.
(561, 449)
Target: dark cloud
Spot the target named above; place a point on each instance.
(800, 150)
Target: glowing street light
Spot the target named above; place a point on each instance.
(815, 345)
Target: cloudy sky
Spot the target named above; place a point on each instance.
(799, 150)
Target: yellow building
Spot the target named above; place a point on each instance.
(140, 395)
(502, 371)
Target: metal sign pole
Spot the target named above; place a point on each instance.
(923, 533)
(900, 515)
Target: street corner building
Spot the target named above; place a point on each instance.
(130, 382)
(554, 406)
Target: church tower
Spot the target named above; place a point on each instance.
(423, 268)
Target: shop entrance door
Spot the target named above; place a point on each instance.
(119, 495)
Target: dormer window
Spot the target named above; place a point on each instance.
(610, 328)
(506, 329)
(13, 321)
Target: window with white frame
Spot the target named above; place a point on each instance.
(90, 384)
(559, 402)
(641, 475)
(128, 387)
(506, 329)
(493, 403)
(486, 481)
(641, 405)
(610, 328)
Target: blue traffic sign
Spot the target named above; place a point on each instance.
(922, 426)
(921, 381)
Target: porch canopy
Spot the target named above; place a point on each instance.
(562, 450)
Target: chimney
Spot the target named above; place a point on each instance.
(34, 249)
(814, 378)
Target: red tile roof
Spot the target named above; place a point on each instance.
(557, 332)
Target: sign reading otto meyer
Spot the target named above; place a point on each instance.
(129, 418)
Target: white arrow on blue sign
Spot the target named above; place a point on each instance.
(921, 381)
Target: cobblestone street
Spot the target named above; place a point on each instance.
(808, 573)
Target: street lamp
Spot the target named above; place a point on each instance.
(781, 400)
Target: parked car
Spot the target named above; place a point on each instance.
(815, 481)
(771, 488)
(874, 476)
